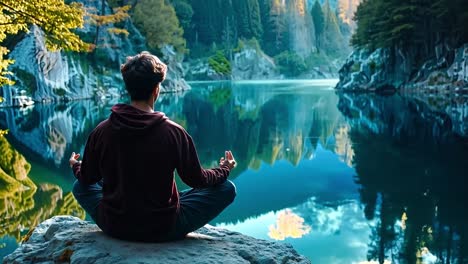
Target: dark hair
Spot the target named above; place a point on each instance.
(141, 73)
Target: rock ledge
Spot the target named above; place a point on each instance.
(71, 240)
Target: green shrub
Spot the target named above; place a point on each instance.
(219, 63)
(318, 59)
(60, 91)
(356, 67)
(290, 64)
(372, 66)
(27, 79)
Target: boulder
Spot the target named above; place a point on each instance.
(71, 240)
(252, 64)
(175, 73)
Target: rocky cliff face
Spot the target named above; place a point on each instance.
(68, 239)
(250, 63)
(394, 68)
(301, 28)
(253, 64)
(52, 76)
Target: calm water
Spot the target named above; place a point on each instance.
(343, 178)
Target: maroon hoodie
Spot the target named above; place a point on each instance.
(135, 153)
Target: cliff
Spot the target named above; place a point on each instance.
(52, 76)
(248, 63)
(68, 239)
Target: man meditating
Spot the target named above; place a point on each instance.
(125, 181)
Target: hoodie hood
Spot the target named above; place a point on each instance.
(130, 119)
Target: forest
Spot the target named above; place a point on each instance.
(417, 25)
(298, 34)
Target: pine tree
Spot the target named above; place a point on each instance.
(332, 39)
(410, 24)
(319, 21)
(207, 22)
(184, 13)
(255, 19)
(279, 29)
(241, 8)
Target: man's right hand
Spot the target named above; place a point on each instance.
(74, 159)
(228, 160)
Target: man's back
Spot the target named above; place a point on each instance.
(135, 153)
(126, 179)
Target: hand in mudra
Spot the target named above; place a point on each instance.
(74, 159)
(228, 160)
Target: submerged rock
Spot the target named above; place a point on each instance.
(69, 239)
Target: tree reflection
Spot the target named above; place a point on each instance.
(409, 163)
(23, 205)
(288, 224)
(263, 127)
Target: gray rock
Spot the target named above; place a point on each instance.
(69, 239)
(394, 67)
(458, 71)
(175, 73)
(253, 64)
(200, 70)
(301, 28)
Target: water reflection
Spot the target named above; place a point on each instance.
(411, 165)
(23, 204)
(288, 224)
(344, 178)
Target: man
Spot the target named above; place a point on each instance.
(125, 181)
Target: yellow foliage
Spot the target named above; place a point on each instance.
(3, 132)
(288, 224)
(57, 19)
(120, 14)
(100, 19)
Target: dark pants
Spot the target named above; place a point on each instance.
(197, 206)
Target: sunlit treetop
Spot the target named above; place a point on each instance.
(57, 19)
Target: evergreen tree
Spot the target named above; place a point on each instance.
(265, 7)
(207, 21)
(279, 28)
(408, 24)
(332, 39)
(158, 21)
(241, 10)
(319, 21)
(249, 22)
(255, 19)
(184, 13)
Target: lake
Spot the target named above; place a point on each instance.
(344, 178)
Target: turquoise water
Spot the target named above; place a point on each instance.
(343, 178)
